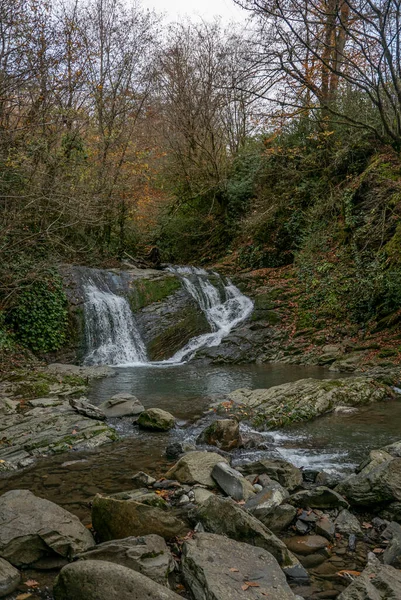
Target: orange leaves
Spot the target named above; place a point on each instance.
(249, 584)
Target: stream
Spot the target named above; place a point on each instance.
(332, 443)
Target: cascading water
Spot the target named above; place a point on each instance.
(112, 335)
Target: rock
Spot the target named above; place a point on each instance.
(174, 451)
(306, 544)
(376, 582)
(48, 430)
(122, 405)
(232, 482)
(83, 407)
(147, 554)
(378, 482)
(392, 512)
(282, 471)
(80, 371)
(201, 495)
(325, 527)
(156, 419)
(114, 519)
(196, 467)
(346, 523)
(101, 580)
(330, 480)
(7, 406)
(280, 518)
(9, 578)
(318, 497)
(216, 567)
(32, 528)
(302, 527)
(141, 480)
(306, 399)
(392, 553)
(267, 500)
(224, 434)
(224, 517)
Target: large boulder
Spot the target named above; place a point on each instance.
(101, 580)
(114, 519)
(377, 483)
(122, 405)
(216, 567)
(147, 554)
(32, 528)
(224, 434)
(376, 582)
(232, 482)
(279, 518)
(306, 544)
(305, 399)
(196, 467)
(347, 523)
(289, 476)
(224, 517)
(156, 419)
(9, 578)
(318, 497)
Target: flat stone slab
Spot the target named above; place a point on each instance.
(216, 567)
(49, 429)
(122, 405)
(232, 482)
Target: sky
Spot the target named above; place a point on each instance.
(197, 9)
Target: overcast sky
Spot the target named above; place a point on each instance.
(206, 9)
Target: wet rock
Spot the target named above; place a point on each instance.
(48, 430)
(309, 475)
(32, 528)
(319, 497)
(267, 500)
(196, 467)
(214, 566)
(141, 480)
(378, 482)
(307, 399)
(174, 451)
(232, 482)
(325, 527)
(330, 480)
(346, 523)
(282, 471)
(312, 560)
(224, 517)
(83, 407)
(9, 578)
(224, 434)
(147, 554)
(306, 544)
(392, 512)
(280, 518)
(352, 542)
(122, 405)
(301, 527)
(156, 419)
(80, 371)
(114, 519)
(376, 582)
(307, 516)
(101, 580)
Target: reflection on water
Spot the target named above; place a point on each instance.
(331, 442)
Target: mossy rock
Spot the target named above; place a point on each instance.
(147, 291)
(156, 419)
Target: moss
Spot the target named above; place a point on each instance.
(387, 352)
(192, 323)
(148, 291)
(33, 389)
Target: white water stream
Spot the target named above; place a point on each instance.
(112, 334)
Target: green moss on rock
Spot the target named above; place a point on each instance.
(148, 291)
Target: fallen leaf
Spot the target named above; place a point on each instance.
(89, 526)
(252, 584)
(74, 432)
(234, 570)
(23, 596)
(378, 550)
(347, 572)
(367, 525)
(31, 583)
(244, 587)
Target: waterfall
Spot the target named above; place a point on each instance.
(224, 307)
(111, 332)
(112, 336)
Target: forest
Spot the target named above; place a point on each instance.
(259, 146)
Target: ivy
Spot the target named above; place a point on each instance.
(40, 316)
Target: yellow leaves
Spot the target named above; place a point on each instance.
(347, 573)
